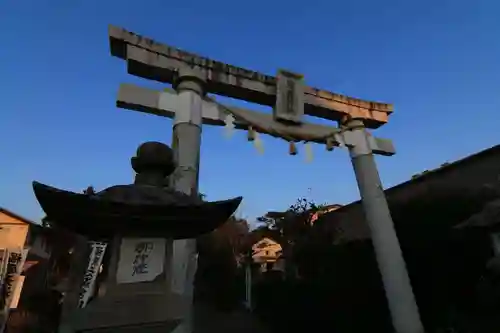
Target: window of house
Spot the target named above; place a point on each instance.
(262, 245)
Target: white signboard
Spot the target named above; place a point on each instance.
(95, 261)
(141, 259)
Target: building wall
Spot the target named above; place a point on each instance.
(13, 232)
(38, 304)
(39, 247)
(38, 242)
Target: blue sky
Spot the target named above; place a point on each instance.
(437, 61)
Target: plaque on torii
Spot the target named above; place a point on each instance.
(193, 76)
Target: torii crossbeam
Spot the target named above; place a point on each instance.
(149, 59)
(164, 103)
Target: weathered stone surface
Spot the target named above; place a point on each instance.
(149, 59)
(143, 328)
(209, 320)
(114, 313)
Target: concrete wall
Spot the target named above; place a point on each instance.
(467, 175)
(39, 247)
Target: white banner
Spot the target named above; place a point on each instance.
(89, 279)
(24, 255)
(141, 259)
(16, 295)
(4, 257)
(15, 265)
(15, 262)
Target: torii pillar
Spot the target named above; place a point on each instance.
(186, 143)
(401, 301)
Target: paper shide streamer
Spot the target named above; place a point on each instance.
(309, 152)
(258, 144)
(229, 125)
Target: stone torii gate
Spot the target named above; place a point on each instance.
(193, 77)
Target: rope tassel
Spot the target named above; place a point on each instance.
(292, 150)
(258, 144)
(330, 144)
(252, 134)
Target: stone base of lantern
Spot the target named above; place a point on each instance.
(127, 303)
(145, 328)
(139, 313)
(147, 280)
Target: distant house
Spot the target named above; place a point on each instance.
(33, 300)
(13, 229)
(267, 253)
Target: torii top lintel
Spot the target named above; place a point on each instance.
(152, 60)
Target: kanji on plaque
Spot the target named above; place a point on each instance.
(141, 259)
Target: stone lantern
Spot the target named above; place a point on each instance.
(139, 222)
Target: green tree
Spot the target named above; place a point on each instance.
(218, 277)
(290, 229)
